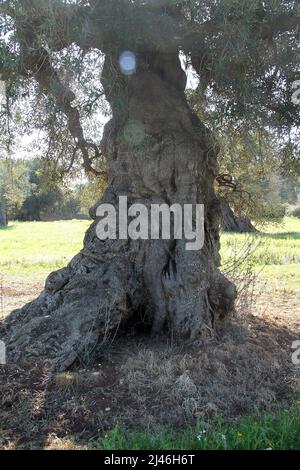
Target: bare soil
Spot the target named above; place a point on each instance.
(16, 292)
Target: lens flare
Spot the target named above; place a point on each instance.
(127, 63)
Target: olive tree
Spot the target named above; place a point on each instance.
(156, 149)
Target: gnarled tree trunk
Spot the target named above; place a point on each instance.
(3, 217)
(230, 222)
(157, 152)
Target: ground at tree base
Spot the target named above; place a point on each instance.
(143, 385)
(138, 384)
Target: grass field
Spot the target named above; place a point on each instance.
(275, 431)
(275, 251)
(41, 247)
(30, 250)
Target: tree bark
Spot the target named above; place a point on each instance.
(157, 151)
(3, 216)
(233, 223)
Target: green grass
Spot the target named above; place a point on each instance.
(39, 247)
(279, 431)
(276, 245)
(36, 248)
(276, 250)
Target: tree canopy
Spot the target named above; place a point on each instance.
(246, 55)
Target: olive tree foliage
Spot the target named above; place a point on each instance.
(156, 147)
(245, 53)
(31, 110)
(239, 90)
(256, 161)
(14, 188)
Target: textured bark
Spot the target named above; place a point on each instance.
(157, 152)
(3, 217)
(233, 223)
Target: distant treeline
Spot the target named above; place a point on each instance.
(31, 190)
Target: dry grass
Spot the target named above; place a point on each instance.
(145, 386)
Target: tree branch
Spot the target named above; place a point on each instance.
(278, 24)
(39, 64)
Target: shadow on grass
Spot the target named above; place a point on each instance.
(281, 236)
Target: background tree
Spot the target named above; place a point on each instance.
(49, 197)
(258, 169)
(85, 192)
(157, 150)
(14, 188)
(255, 192)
